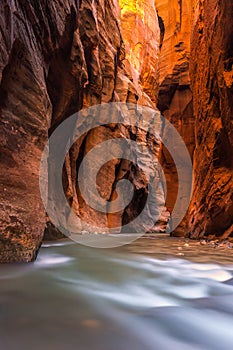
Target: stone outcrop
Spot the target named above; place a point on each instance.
(175, 96)
(211, 212)
(57, 58)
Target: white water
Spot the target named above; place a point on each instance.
(146, 296)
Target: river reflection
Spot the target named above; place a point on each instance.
(157, 293)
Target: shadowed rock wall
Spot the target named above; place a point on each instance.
(211, 212)
(57, 58)
(175, 99)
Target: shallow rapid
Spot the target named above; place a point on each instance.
(157, 293)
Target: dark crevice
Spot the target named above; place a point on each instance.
(134, 209)
(80, 158)
(11, 70)
(162, 31)
(59, 80)
(222, 153)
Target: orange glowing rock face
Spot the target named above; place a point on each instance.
(176, 17)
(141, 35)
(132, 6)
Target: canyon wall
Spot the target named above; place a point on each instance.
(141, 34)
(211, 212)
(195, 94)
(175, 97)
(57, 58)
(116, 73)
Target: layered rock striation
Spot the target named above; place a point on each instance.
(175, 99)
(211, 212)
(56, 59)
(141, 34)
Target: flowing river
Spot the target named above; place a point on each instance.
(157, 293)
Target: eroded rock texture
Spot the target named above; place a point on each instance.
(141, 35)
(175, 96)
(117, 73)
(58, 57)
(212, 84)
